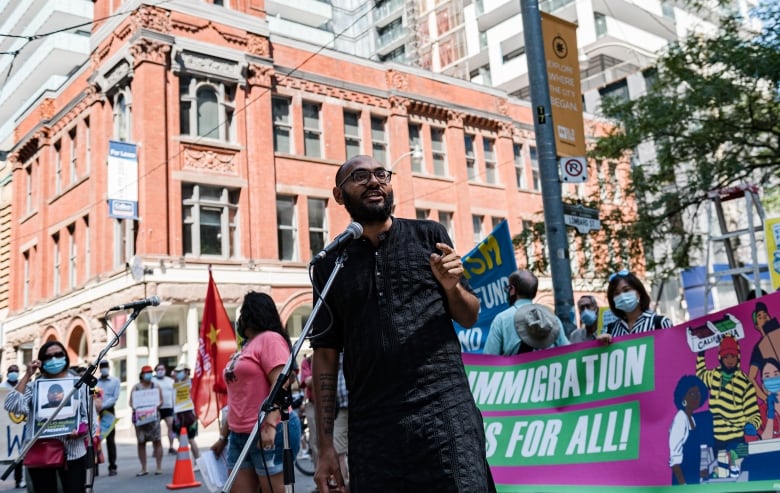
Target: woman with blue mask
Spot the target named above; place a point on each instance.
(770, 410)
(630, 303)
(53, 362)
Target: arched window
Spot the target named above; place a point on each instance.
(122, 117)
(208, 112)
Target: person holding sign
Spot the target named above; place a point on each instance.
(110, 387)
(145, 400)
(69, 427)
(184, 409)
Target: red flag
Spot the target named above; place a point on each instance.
(216, 345)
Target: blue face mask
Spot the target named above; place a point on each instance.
(179, 375)
(13, 376)
(54, 366)
(627, 301)
(588, 317)
(772, 384)
(147, 377)
(104, 372)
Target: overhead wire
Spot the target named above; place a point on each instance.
(239, 110)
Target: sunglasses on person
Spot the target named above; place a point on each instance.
(622, 273)
(363, 176)
(47, 357)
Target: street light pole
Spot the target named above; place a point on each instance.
(557, 241)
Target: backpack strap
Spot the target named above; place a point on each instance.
(657, 320)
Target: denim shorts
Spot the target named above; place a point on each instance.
(256, 457)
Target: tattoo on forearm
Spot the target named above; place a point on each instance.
(327, 399)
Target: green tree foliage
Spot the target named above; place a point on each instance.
(713, 113)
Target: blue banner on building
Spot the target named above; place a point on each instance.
(122, 180)
(487, 268)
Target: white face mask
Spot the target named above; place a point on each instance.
(626, 301)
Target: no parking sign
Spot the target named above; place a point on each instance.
(573, 169)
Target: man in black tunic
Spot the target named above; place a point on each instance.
(413, 423)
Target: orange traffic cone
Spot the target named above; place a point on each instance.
(183, 473)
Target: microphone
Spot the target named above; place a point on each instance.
(137, 305)
(353, 231)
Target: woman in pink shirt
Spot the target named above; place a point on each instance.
(249, 378)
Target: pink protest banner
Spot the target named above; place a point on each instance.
(694, 404)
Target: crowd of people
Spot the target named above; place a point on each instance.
(386, 362)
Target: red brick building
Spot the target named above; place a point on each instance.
(239, 134)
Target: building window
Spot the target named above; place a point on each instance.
(536, 180)
(73, 155)
(439, 152)
(489, 148)
(57, 280)
(352, 133)
(26, 274)
(476, 226)
(28, 201)
(379, 139)
(614, 182)
(494, 222)
(72, 256)
(471, 160)
(168, 336)
(445, 219)
(87, 247)
(519, 166)
(318, 225)
(600, 21)
(57, 168)
(421, 214)
(122, 118)
(312, 132)
(207, 108)
(617, 91)
(87, 146)
(286, 224)
(282, 128)
(415, 142)
(210, 220)
(124, 241)
(512, 54)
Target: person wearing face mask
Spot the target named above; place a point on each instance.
(147, 431)
(503, 339)
(770, 409)
(110, 387)
(589, 317)
(768, 345)
(185, 419)
(630, 302)
(165, 383)
(11, 379)
(53, 363)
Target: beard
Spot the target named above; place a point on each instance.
(367, 214)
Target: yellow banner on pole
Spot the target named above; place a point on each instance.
(772, 236)
(563, 75)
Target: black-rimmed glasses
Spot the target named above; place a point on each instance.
(363, 176)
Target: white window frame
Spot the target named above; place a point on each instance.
(72, 256)
(57, 277)
(472, 172)
(489, 155)
(379, 139)
(292, 227)
(309, 131)
(320, 230)
(352, 135)
(282, 124)
(190, 85)
(227, 208)
(73, 154)
(439, 151)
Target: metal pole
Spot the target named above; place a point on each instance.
(557, 241)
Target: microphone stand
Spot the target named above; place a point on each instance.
(87, 378)
(281, 398)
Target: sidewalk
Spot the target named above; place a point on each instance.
(127, 465)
